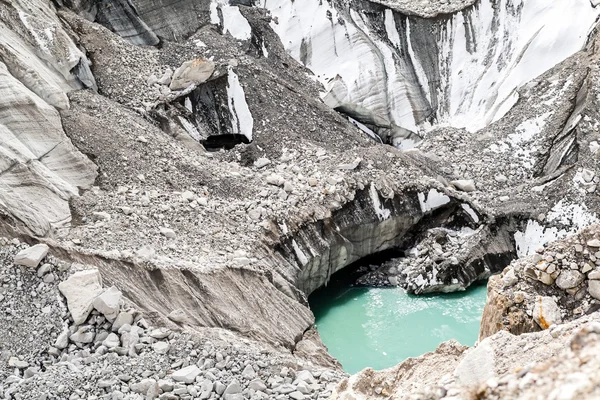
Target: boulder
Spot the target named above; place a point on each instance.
(31, 256)
(594, 289)
(80, 290)
(186, 375)
(108, 303)
(546, 312)
(465, 185)
(569, 279)
(192, 72)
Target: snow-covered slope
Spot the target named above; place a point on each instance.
(395, 72)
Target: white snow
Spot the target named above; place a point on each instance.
(535, 236)
(382, 212)
(576, 215)
(241, 118)
(479, 77)
(235, 23)
(301, 256)
(432, 200)
(470, 211)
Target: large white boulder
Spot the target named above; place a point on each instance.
(108, 303)
(32, 256)
(80, 290)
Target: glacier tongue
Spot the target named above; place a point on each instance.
(399, 74)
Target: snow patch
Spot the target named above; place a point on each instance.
(536, 236)
(432, 200)
(382, 212)
(301, 256)
(471, 212)
(241, 118)
(575, 215)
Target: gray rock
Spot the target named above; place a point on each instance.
(192, 72)
(160, 333)
(177, 315)
(186, 375)
(249, 372)
(44, 269)
(594, 243)
(108, 303)
(594, 289)
(80, 290)
(546, 312)
(111, 341)
(161, 347)
(16, 363)
(31, 256)
(62, 341)
(297, 395)
(122, 319)
(257, 384)
(219, 388)
(143, 386)
(233, 388)
(168, 233)
(569, 279)
(85, 334)
(465, 185)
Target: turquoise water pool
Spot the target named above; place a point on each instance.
(380, 327)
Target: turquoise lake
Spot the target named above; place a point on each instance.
(380, 327)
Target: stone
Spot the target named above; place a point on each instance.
(510, 279)
(262, 162)
(85, 334)
(168, 233)
(123, 318)
(62, 341)
(233, 388)
(16, 363)
(160, 333)
(165, 385)
(111, 341)
(192, 72)
(108, 303)
(465, 185)
(257, 384)
(219, 388)
(143, 386)
(31, 256)
(186, 375)
(297, 395)
(249, 372)
(569, 279)
(80, 290)
(44, 269)
(594, 243)
(306, 376)
(276, 180)
(161, 347)
(546, 312)
(177, 315)
(594, 289)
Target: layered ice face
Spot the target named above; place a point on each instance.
(396, 73)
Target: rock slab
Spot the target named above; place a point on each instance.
(80, 290)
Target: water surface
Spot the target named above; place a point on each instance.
(380, 327)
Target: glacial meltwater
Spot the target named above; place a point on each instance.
(380, 327)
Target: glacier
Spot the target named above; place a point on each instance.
(399, 73)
